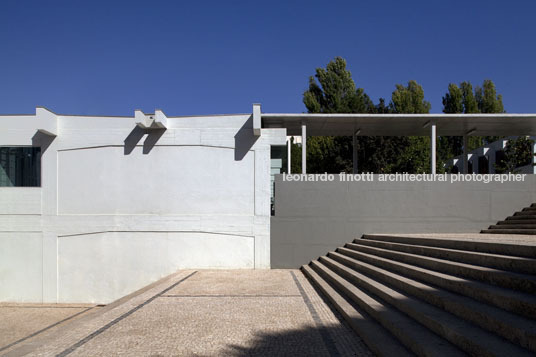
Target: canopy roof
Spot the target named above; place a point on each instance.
(403, 124)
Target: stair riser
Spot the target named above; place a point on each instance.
(507, 303)
(391, 326)
(513, 226)
(520, 218)
(517, 221)
(525, 213)
(496, 278)
(471, 347)
(472, 246)
(489, 323)
(519, 265)
(509, 231)
(375, 337)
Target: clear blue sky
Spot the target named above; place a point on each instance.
(200, 57)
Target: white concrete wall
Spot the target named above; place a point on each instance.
(121, 206)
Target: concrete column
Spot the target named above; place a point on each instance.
(304, 149)
(534, 158)
(464, 156)
(433, 138)
(289, 154)
(354, 153)
(491, 159)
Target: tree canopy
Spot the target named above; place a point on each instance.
(333, 90)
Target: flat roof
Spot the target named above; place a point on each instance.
(403, 124)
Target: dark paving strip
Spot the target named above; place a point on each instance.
(229, 296)
(46, 307)
(43, 330)
(326, 338)
(126, 314)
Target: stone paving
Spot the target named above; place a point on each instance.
(207, 313)
(21, 322)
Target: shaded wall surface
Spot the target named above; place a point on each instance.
(312, 218)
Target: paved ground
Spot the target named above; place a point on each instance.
(21, 322)
(193, 313)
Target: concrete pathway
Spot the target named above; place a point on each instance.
(203, 313)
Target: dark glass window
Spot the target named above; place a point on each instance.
(20, 166)
(483, 165)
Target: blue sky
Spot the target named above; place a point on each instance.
(205, 57)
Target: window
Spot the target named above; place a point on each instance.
(483, 165)
(20, 166)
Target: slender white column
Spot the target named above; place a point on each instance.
(433, 148)
(464, 156)
(533, 157)
(289, 155)
(354, 153)
(304, 149)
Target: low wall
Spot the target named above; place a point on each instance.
(312, 218)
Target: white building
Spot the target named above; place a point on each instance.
(482, 160)
(101, 206)
(93, 208)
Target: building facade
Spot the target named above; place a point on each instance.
(93, 208)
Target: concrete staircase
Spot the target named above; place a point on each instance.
(421, 296)
(522, 222)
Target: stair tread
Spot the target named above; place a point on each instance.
(516, 221)
(521, 217)
(448, 281)
(483, 245)
(522, 281)
(525, 213)
(464, 307)
(498, 261)
(379, 340)
(510, 231)
(513, 226)
(398, 323)
(458, 331)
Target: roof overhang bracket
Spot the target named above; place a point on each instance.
(256, 119)
(157, 121)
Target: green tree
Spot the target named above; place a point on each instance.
(409, 99)
(415, 157)
(332, 90)
(482, 100)
(470, 104)
(518, 152)
(488, 99)
(453, 101)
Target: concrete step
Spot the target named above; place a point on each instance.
(469, 338)
(379, 340)
(533, 205)
(509, 218)
(521, 282)
(516, 302)
(525, 213)
(519, 225)
(516, 329)
(517, 221)
(503, 262)
(510, 231)
(416, 337)
(460, 244)
(527, 209)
